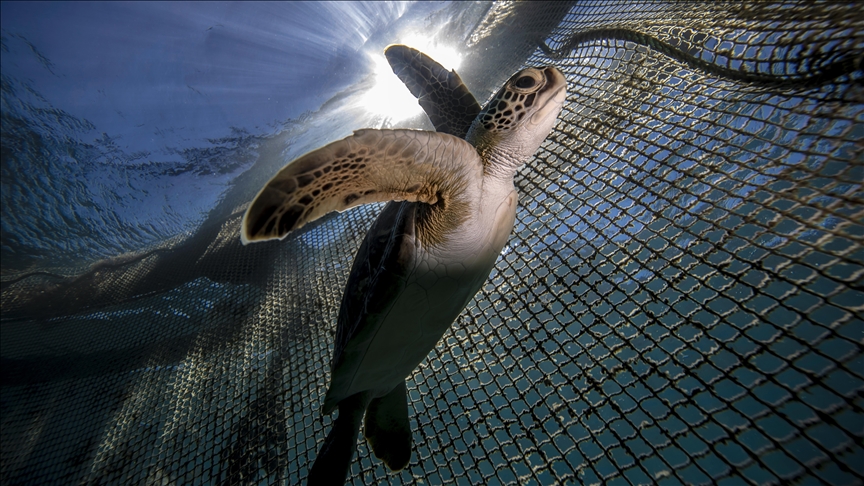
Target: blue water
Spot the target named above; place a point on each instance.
(607, 325)
(124, 123)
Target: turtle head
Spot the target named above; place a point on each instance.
(515, 122)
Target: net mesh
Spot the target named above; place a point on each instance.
(680, 301)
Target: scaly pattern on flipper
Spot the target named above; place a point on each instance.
(441, 93)
(369, 166)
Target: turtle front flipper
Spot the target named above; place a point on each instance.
(388, 430)
(441, 93)
(369, 166)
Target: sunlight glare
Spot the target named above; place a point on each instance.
(389, 97)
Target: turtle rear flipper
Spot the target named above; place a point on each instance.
(441, 93)
(334, 459)
(388, 430)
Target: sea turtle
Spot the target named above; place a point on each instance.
(431, 248)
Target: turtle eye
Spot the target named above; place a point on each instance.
(525, 82)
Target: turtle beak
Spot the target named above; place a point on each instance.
(555, 82)
(551, 95)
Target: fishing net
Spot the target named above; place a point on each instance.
(680, 301)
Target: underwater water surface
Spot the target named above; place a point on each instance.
(124, 123)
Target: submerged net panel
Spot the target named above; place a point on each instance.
(681, 299)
